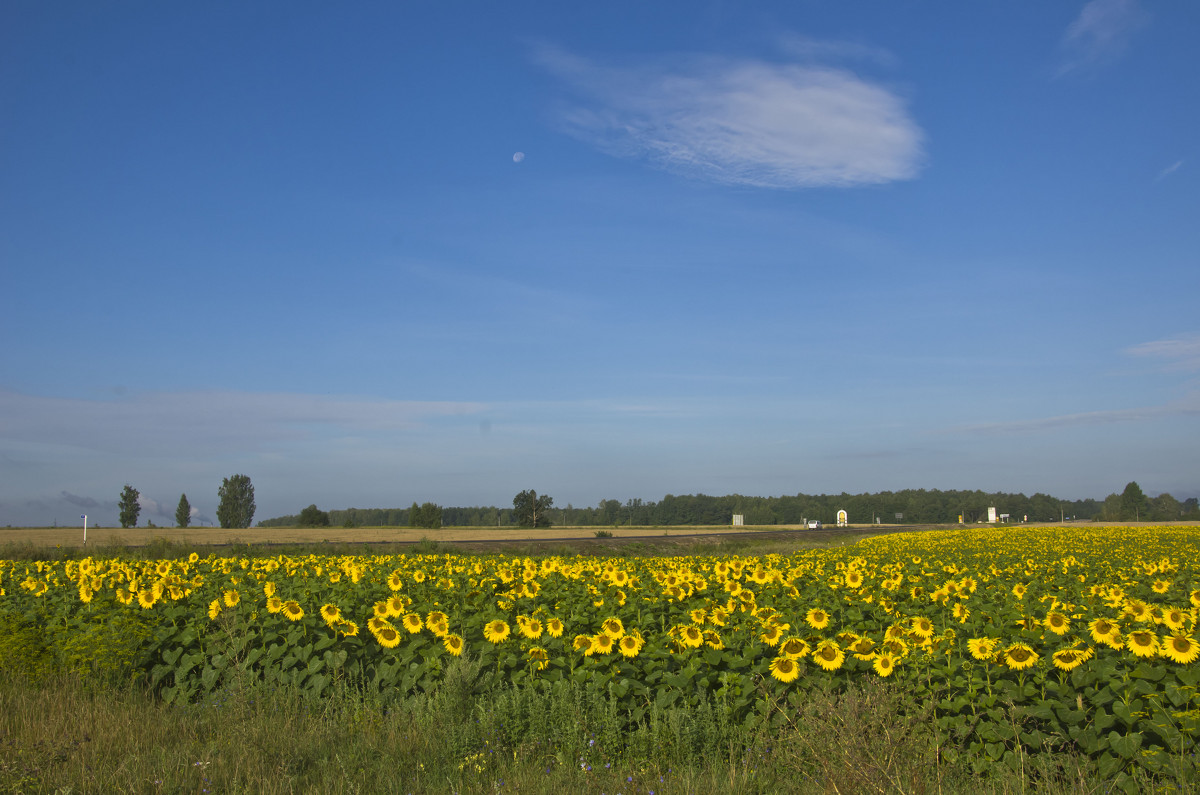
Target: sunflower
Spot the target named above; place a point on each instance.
(292, 610)
(771, 635)
(922, 627)
(1180, 648)
(1103, 630)
(439, 628)
(794, 648)
(1194, 597)
(982, 648)
(496, 631)
(554, 627)
(395, 606)
(1174, 618)
(854, 578)
(1161, 586)
(828, 655)
(582, 643)
(785, 669)
(538, 658)
(268, 589)
(330, 614)
(884, 664)
(1020, 656)
(146, 598)
(1018, 590)
(388, 637)
(629, 646)
(1070, 659)
(613, 628)
(817, 618)
(894, 646)
(698, 615)
(394, 581)
(691, 636)
(274, 604)
(214, 609)
(713, 640)
(863, 649)
(1056, 622)
(453, 644)
(718, 616)
(348, 628)
(1138, 610)
(962, 612)
(1143, 643)
(412, 623)
(601, 644)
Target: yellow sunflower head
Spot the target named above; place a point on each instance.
(785, 669)
(1180, 648)
(1056, 622)
(453, 644)
(817, 618)
(884, 664)
(554, 627)
(496, 631)
(1020, 656)
(828, 655)
(1143, 643)
(412, 623)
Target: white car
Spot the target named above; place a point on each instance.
(814, 525)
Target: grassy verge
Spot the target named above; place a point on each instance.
(66, 734)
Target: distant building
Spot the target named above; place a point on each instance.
(738, 520)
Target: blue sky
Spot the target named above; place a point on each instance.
(374, 253)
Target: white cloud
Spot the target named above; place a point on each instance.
(1099, 34)
(745, 122)
(1169, 170)
(1179, 353)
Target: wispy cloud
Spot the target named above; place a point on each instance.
(206, 422)
(1189, 406)
(1100, 34)
(744, 122)
(1177, 353)
(1169, 170)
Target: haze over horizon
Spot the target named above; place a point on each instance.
(376, 254)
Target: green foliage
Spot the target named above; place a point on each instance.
(183, 513)
(427, 515)
(604, 534)
(25, 649)
(532, 510)
(236, 507)
(129, 506)
(312, 516)
(1133, 502)
(111, 646)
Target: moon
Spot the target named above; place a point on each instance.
(518, 157)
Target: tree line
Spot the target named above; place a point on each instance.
(235, 507)
(910, 506)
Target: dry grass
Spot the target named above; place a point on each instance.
(139, 536)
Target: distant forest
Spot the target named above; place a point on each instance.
(912, 506)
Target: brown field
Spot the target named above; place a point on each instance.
(137, 536)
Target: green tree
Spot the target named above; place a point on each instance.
(427, 515)
(129, 505)
(312, 516)
(183, 514)
(1133, 502)
(531, 510)
(236, 507)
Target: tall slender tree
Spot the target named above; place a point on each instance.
(129, 505)
(183, 514)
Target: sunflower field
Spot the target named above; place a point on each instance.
(1022, 640)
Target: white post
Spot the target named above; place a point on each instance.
(84, 518)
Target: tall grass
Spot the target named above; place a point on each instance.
(473, 735)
